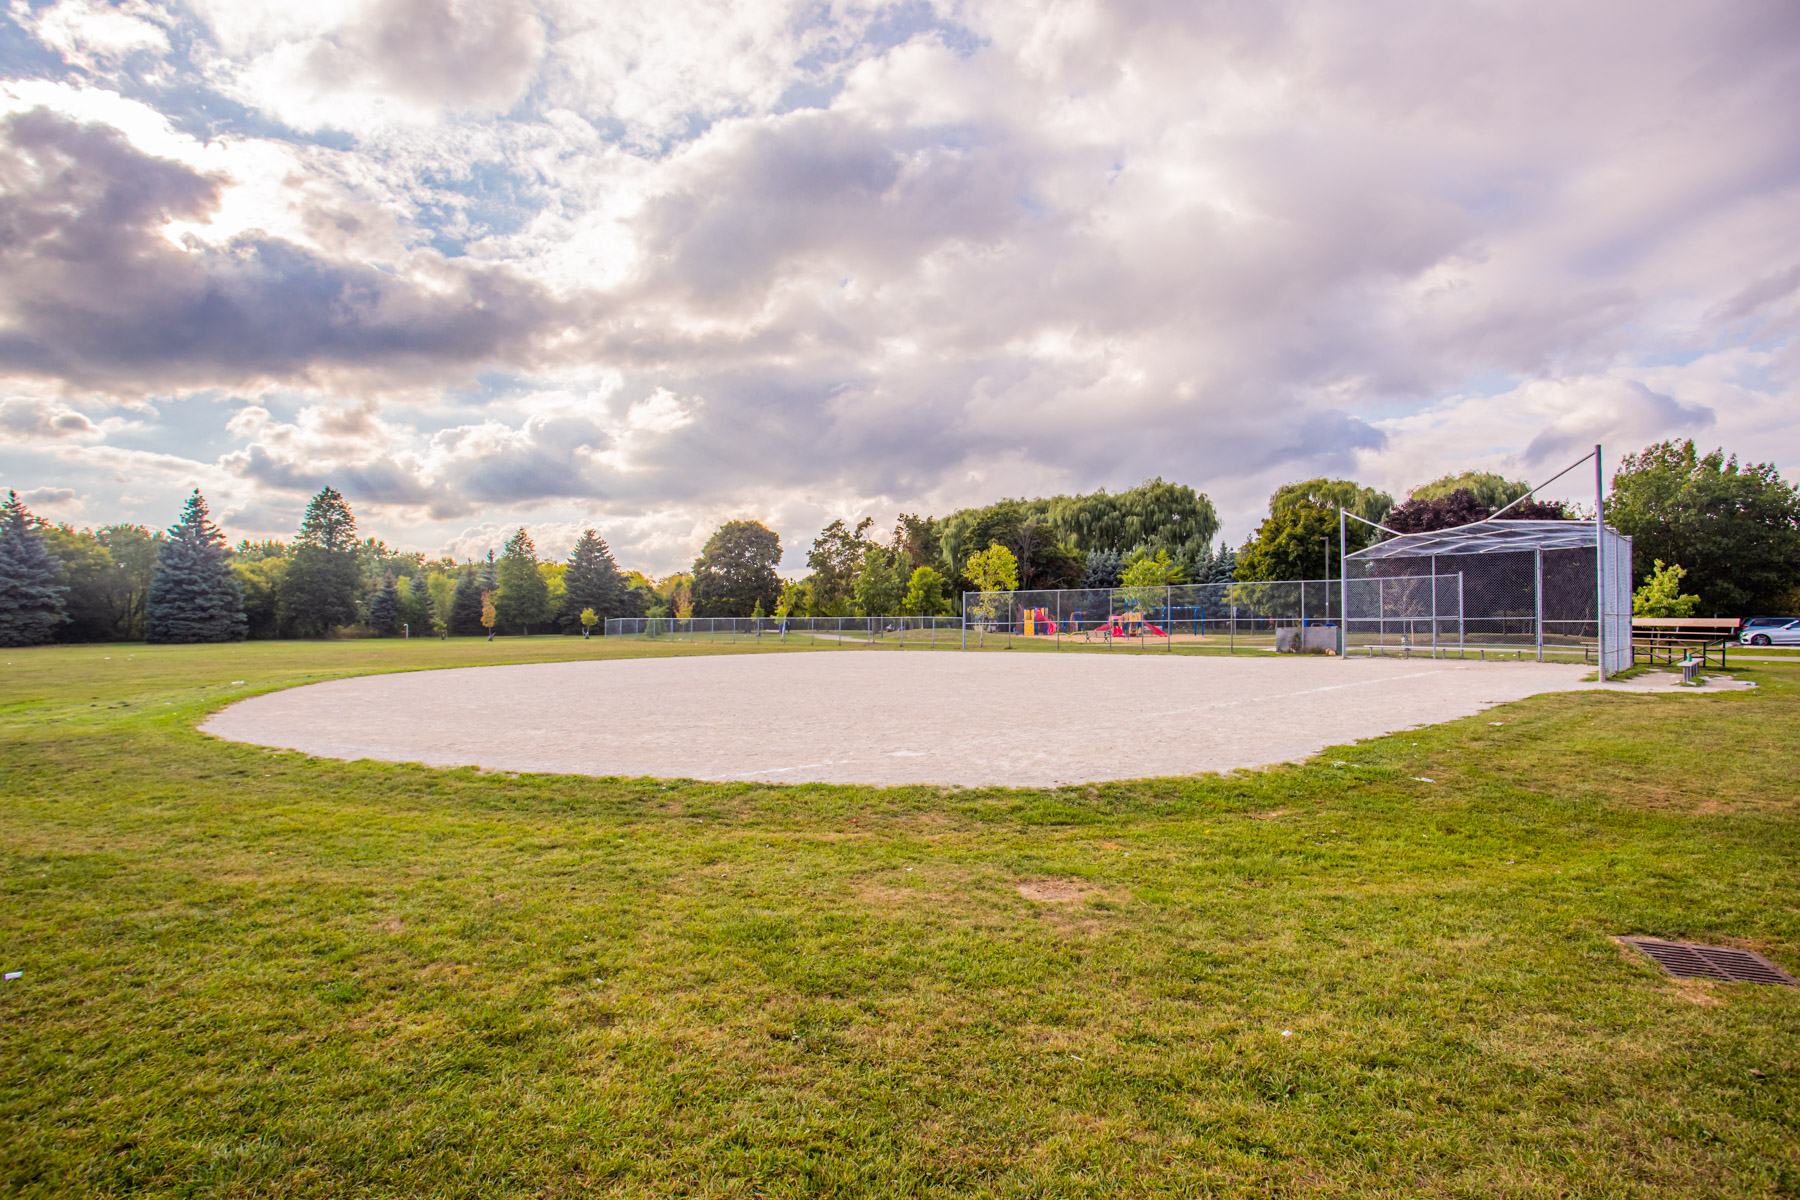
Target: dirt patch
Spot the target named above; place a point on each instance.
(1055, 891)
(888, 723)
(1271, 815)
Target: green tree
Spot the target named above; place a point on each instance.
(195, 595)
(1300, 542)
(134, 550)
(524, 597)
(588, 618)
(416, 611)
(793, 600)
(1489, 490)
(992, 570)
(593, 581)
(473, 582)
(384, 608)
(88, 571)
(1365, 502)
(260, 580)
(924, 594)
(31, 597)
(1661, 595)
(880, 585)
(834, 561)
(736, 569)
(441, 584)
(324, 575)
(1735, 528)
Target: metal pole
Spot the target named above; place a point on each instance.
(1343, 590)
(1168, 622)
(1599, 566)
(1461, 624)
(1233, 648)
(965, 620)
(1540, 603)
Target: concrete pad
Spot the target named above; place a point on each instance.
(885, 717)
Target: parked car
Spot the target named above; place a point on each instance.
(1778, 631)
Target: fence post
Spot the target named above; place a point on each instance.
(965, 620)
(1462, 617)
(1538, 564)
(1233, 649)
(1168, 621)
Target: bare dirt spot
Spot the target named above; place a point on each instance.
(1054, 891)
(391, 925)
(1271, 815)
(887, 722)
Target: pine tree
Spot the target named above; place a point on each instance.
(195, 596)
(593, 581)
(465, 605)
(524, 597)
(384, 609)
(324, 573)
(31, 598)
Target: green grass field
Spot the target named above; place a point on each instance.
(247, 973)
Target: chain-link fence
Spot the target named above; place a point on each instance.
(1527, 603)
(897, 633)
(1227, 616)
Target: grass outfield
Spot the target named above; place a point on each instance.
(252, 974)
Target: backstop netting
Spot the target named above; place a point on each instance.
(1536, 586)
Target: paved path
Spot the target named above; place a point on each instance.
(972, 719)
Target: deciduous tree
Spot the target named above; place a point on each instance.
(1661, 595)
(736, 569)
(1735, 528)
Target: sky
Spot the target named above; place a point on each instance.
(651, 266)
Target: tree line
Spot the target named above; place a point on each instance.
(123, 582)
(1711, 536)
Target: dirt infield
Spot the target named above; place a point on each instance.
(882, 718)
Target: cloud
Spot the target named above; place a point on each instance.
(662, 264)
(35, 417)
(50, 497)
(98, 296)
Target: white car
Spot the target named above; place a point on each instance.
(1781, 633)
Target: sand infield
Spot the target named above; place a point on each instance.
(882, 717)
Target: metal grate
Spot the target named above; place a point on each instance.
(1688, 960)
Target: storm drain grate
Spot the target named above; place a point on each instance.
(1688, 960)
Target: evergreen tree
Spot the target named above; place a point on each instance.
(195, 596)
(465, 605)
(384, 609)
(31, 598)
(324, 573)
(593, 581)
(1220, 566)
(524, 596)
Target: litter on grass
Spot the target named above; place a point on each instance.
(14, 974)
(1422, 779)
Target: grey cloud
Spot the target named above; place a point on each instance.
(97, 295)
(456, 53)
(1635, 413)
(48, 495)
(380, 482)
(34, 418)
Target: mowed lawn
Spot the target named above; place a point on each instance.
(248, 973)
